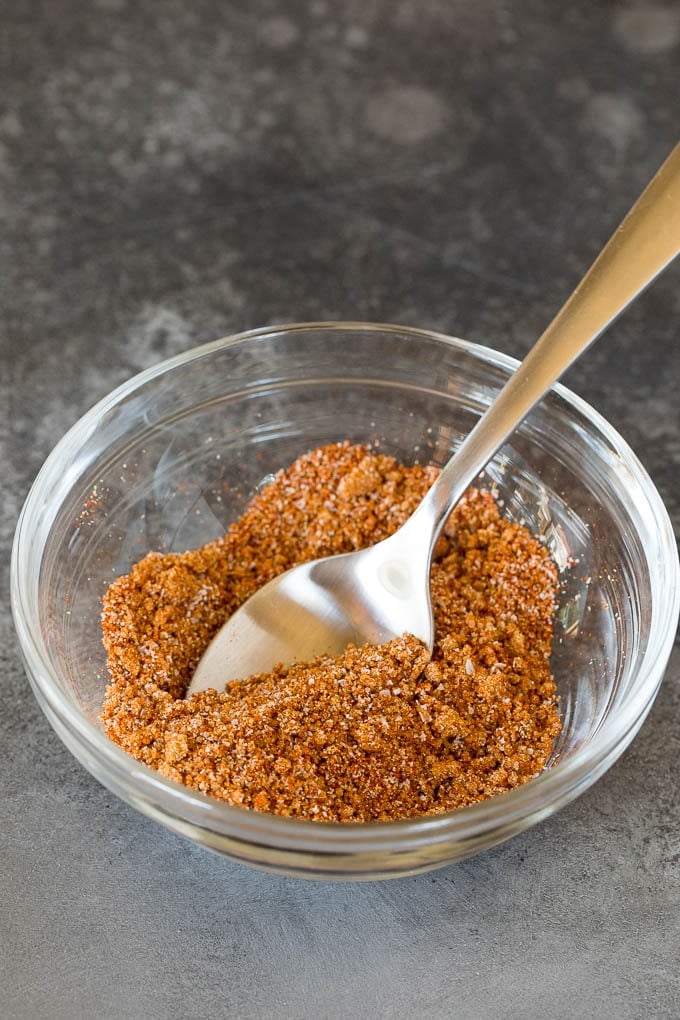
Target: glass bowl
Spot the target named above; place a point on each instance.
(169, 459)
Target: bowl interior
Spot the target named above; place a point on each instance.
(170, 462)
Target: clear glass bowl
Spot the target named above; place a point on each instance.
(169, 459)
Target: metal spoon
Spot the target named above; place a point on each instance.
(379, 593)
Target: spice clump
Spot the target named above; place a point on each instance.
(377, 733)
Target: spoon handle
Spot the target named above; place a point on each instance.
(644, 244)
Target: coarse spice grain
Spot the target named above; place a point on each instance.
(377, 733)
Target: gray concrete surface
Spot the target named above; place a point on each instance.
(173, 171)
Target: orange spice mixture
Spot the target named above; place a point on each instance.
(380, 732)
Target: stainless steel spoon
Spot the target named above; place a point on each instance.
(381, 592)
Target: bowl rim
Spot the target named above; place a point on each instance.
(150, 791)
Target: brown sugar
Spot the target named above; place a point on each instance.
(380, 732)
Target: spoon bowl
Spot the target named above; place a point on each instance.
(324, 605)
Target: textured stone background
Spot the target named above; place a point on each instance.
(171, 172)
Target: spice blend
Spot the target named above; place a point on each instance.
(380, 732)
